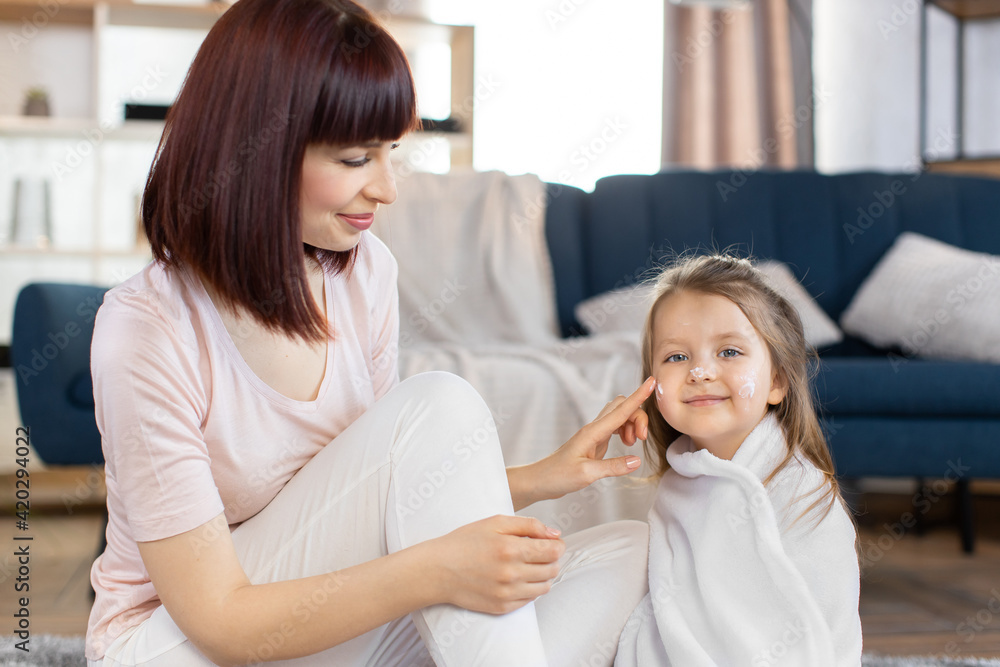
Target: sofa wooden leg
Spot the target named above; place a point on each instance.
(966, 517)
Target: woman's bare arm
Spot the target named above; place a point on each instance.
(580, 461)
(485, 566)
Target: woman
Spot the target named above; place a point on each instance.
(259, 445)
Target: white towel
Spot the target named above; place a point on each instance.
(734, 578)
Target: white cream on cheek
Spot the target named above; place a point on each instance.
(749, 385)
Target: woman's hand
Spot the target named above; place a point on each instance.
(497, 565)
(580, 461)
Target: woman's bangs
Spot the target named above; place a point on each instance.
(368, 94)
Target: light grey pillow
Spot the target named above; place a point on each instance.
(625, 308)
(930, 299)
(819, 329)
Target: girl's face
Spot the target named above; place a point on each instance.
(713, 371)
(342, 187)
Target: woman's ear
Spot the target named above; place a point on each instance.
(779, 388)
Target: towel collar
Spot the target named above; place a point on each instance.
(762, 450)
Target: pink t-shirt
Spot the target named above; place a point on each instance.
(189, 431)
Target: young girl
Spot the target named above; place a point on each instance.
(751, 552)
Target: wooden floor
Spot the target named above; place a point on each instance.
(919, 595)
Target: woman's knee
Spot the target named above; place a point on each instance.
(445, 397)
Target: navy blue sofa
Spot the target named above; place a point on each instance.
(885, 414)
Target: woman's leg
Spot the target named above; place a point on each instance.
(421, 462)
(603, 576)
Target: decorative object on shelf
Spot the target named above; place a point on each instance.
(31, 222)
(36, 102)
(136, 111)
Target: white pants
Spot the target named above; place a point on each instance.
(421, 462)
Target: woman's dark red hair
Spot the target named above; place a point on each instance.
(271, 78)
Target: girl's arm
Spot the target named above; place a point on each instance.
(485, 566)
(580, 462)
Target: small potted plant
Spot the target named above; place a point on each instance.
(36, 102)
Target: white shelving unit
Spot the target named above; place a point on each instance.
(88, 54)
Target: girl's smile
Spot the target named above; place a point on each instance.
(708, 360)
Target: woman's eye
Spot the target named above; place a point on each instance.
(360, 162)
(676, 357)
(728, 353)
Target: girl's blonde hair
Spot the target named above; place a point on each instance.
(779, 326)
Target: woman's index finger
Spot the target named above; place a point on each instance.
(624, 410)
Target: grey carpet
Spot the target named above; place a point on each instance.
(52, 651)
(45, 651)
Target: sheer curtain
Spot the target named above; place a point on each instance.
(737, 86)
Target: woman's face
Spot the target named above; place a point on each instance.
(714, 378)
(342, 187)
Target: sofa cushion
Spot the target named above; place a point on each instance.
(930, 299)
(897, 385)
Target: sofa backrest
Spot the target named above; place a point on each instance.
(830, 229)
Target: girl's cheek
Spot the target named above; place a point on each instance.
(660, 401)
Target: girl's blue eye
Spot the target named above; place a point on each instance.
(729, 353)
(676, 357)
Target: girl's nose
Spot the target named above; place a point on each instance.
(701, 373)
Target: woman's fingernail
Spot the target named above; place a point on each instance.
(554, 532)
(632, 462)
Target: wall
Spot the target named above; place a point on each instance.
(866, 56)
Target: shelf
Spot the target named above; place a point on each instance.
(44, 127)
(986, 166)
(970, 9)
(120, 12)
